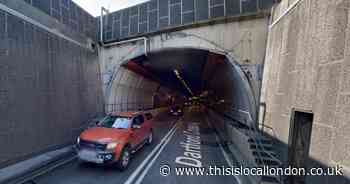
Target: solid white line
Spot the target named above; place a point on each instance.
(224, 152)
(227, 159)
(139, 168)
(51, 168)
(145, 171)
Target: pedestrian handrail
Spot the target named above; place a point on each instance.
(130, 106)
(274, 134)
(253, 133)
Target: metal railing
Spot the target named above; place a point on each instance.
(255, 135)
(274, 134)
(131, 106)
(127, 106)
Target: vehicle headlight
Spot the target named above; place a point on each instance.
(111, 146)
(78, 140)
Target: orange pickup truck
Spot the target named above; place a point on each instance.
(115, 138)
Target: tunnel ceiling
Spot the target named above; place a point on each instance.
(161, 65)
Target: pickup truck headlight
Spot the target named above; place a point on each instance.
(111, 146)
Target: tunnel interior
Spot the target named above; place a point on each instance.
(189, 72)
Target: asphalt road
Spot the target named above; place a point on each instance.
(178, 143)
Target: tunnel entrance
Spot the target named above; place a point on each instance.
(185, 70)
(168, 76)
(191, 72)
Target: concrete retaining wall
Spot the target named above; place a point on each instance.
(49, 84)
(307, 68)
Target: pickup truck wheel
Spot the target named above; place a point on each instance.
(150, 138)
(124, 159)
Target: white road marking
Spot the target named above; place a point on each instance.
(145, 171)
(51, 168)
(154, 151)
(224, 152)
(227, 159)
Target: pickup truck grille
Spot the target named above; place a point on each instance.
(92, 145)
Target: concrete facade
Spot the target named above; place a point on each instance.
(307, 68)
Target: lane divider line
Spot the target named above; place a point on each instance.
(224, 152)
(47, 170)
(154, 151)
(145, 171)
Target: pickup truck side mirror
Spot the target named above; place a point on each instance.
(136, 126)
(93, 124)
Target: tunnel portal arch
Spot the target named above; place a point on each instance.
(132, 90)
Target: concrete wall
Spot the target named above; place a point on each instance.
(307, 68)
(49, 84)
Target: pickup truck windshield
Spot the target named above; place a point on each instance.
(115, 122)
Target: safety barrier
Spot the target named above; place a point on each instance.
(246, 142)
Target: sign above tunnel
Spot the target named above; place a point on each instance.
(157, 15)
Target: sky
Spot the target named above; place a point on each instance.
(94, 6)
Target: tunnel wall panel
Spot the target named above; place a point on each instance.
(231, 85)
(130, 91)
(49, 87)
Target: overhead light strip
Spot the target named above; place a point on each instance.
(177, 73)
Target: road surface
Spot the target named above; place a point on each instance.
(185, 142)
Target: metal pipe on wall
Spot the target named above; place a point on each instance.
(101, 23)
(286, 12)
(145, 39)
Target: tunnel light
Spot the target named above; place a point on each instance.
(177, 73)
(221, 101)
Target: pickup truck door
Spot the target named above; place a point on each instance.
(136, 138)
